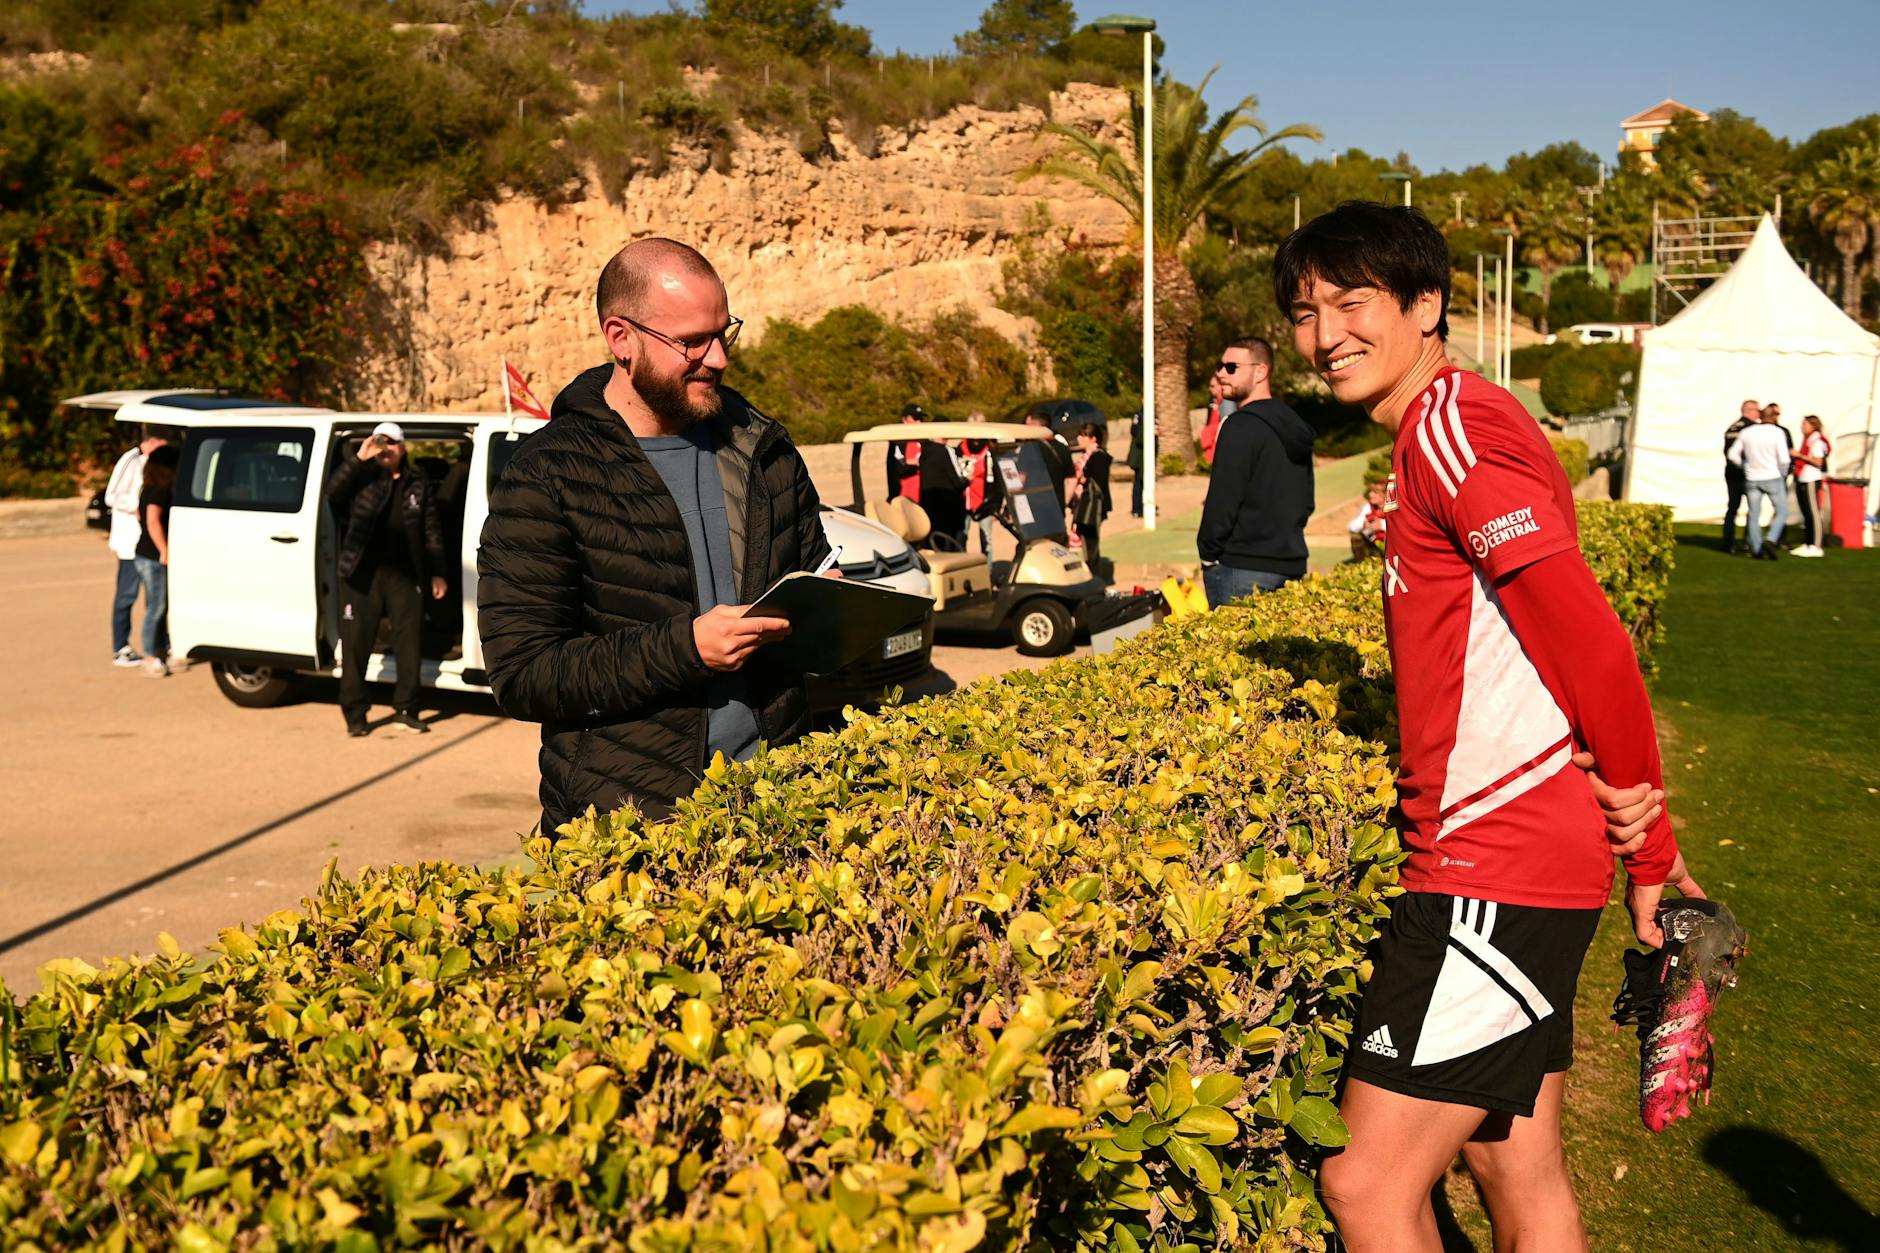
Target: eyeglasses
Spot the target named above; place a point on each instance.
(1228, 367)
(694, 347)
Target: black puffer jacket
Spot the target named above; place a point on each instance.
(366, 484)
(585, 596)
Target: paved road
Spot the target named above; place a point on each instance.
(131, 805)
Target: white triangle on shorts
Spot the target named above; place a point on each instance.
(1471, 1011)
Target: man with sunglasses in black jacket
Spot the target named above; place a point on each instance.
(1260, 490)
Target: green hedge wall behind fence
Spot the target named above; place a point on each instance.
(1062, 960)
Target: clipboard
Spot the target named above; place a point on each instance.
(835, 621)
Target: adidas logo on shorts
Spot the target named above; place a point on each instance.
(1379, 1042)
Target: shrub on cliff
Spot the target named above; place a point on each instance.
(852, 368)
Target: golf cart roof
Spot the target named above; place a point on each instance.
(900, 432)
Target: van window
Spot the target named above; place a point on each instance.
(260, 469)
(503, 446)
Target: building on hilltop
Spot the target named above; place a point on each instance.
(1642, 131)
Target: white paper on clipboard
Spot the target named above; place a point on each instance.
(1021, 505)
(1014, 477)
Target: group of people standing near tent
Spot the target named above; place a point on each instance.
(1760, 456)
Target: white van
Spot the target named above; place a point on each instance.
(1586, 334)
(254, 546)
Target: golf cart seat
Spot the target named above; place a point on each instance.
(950, 575)
(900, 515)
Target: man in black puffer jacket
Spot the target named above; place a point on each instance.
(625, 540)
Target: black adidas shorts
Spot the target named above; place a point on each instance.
(1471, 1002)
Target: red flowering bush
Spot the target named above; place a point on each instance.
(144, 270)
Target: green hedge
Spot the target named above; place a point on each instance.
(1572, 455)
(1065, 958)
(1631, 549)
(1068, 958)
(1531, 360)
(1589, 380)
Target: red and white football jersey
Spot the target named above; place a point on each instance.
(1496, 811)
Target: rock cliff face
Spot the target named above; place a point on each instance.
(924, 225)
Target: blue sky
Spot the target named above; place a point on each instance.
(1466, 81)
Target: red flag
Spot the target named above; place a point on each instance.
(516, 393)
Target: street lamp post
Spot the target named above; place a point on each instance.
(1127, 24)
(1481, 308)
(1504, 325)
(1398, 176)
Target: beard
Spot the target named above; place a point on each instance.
(667, 397)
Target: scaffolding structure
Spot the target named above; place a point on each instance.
(1689, 254)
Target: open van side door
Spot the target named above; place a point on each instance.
(497, 440)
(244, 530)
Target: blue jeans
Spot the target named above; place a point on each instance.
(155, 577)
(984, 527)
(1777, 492)
(121, 604)
(1225, 583)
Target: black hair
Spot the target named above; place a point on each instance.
(160, 466)
(1093, 431)
(1393, 248)
(1257, 348)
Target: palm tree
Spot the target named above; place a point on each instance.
(1844, 203)
(1621, 228)
(1549, 236)
(1194, 175)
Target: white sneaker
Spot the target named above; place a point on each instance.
(155, 669)
(1808, 550)
(126, 656)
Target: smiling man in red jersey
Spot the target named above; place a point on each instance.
(1509, 665)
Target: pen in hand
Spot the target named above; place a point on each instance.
(829, 562)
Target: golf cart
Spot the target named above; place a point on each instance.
(1045, 593)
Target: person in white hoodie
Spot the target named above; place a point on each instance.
(1763, 452)
(120, 497)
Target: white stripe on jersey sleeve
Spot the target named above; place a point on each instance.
(1429, 455)
(1438, 425)
(1456, 432)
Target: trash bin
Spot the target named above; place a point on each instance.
(1847, 511)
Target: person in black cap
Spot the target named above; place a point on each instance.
(394, 539)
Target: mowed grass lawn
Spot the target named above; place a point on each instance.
(1767, 702)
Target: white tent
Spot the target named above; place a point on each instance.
(1761, 332)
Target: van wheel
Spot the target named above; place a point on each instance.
(1042, 628)
(252, 687)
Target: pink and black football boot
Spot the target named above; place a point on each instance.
(1669, 994)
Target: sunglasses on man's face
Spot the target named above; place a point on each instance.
(1228, 367)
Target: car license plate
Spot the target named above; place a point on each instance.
(901, 645)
